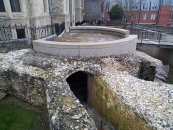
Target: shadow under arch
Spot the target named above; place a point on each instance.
(78, 83)
(102, 104)
(84, 86)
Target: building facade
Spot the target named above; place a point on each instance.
(38, 13)
(60, 12)
(24, 12)
(92, 10)
(72, 12)
(98, 9)
(154, 12)
(79, 10)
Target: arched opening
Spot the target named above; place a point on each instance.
(78, 83)
(83, 85)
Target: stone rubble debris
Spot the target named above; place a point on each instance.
(151, 100)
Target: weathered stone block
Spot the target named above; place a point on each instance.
(5, 82)
(2, 95)
(28, 88)
(12, 45)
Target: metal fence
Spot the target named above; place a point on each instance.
(151, 36)
(23, 31)
(166, 29)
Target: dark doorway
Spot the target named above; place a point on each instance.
(78, 85)
(81, 84)
(20, 33)
(57, 31)
(2, 7)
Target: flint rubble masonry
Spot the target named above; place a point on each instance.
(151, 101)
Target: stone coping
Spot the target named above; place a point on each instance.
(44, 42)
(92, 49)
(102, 29)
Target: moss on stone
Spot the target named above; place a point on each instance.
(170, 76)
(107, 103)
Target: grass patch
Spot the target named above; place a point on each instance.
(16, 117)
(170, 76)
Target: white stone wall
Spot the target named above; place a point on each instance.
(60, 12)
(66, 6)
(72, 12)
(38, 8)
(39, 13)
(92, 10)
(31, 10)
(79, 10)
(33, 13)
(12, 18)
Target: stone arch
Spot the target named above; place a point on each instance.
(88, 70)
(87, 91)
(78, 83)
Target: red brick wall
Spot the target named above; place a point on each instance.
(139, 17)
(164, 15)
(148, 18)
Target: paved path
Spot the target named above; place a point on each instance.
(166, 42)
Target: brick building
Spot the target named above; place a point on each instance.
(154, 12)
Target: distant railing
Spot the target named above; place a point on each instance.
(151, 36)
(166, 29)
(24, 31)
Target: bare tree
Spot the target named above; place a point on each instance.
(129, 9)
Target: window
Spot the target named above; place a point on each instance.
(135, 6)
(57, 28)
(144, 17)
(154, 6)
(20, 33)
(153, 16)
(171, 16)
(133, 17)
(145, 6)
(2, 8)
(15, 5)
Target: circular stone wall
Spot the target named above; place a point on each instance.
(125, 45)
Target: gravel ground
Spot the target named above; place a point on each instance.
(86, 37)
